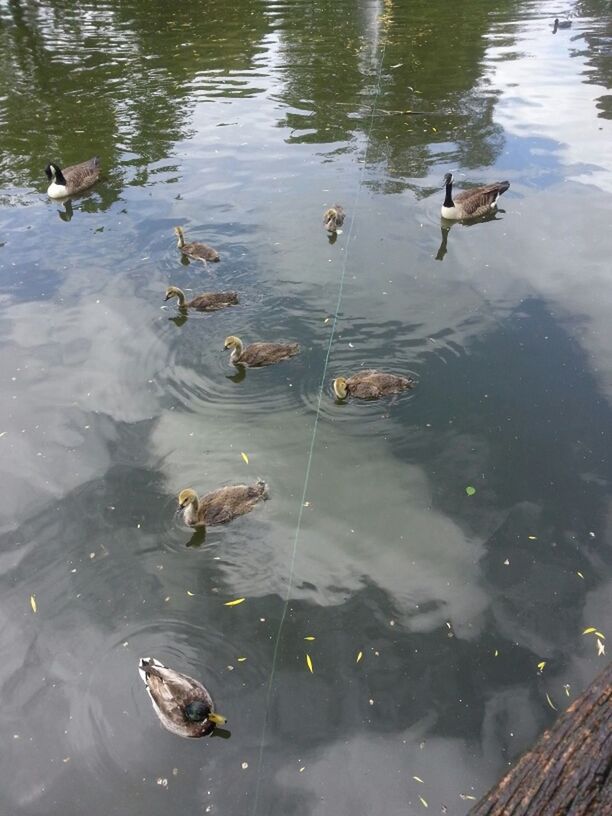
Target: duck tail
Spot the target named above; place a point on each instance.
(145, 664)
(264, 488)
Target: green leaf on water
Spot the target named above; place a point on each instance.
(470, 490)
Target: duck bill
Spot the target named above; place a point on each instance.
(217, 719)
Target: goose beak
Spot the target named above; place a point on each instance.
(217, 719)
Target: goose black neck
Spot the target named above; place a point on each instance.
(59, 176)
(448, 200)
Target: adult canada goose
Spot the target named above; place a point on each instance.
(259, 354)
(206, 302)
(222, 505)
(72, 180)
(333, 218)
(183, 705)
(370, 384)
(195, 250)
(561, 24)
(471, 203)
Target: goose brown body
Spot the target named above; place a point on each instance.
(206, 302)
(183, 705)
(72, 180)
(371, 384)
(471, 203)
(333, 218)
(259, 354)
(194, 249)
(222, 505)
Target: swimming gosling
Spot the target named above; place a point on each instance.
(333, 218)
(195, 250)
(220, 506)
(206, 302)
(259, 354)
(370, 385)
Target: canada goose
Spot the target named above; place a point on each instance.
(333, 218)
(206, 302)
(183, 705)
(259, 354)
(471, 203)
(72, 180)
(370, 384)
(561, 24)
(195, 250)
(221, 505)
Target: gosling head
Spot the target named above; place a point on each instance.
(173, 292)
(179, 231)
(232, 342)
(448, 179)
(340, 387)
(329, 219)
(187, 497)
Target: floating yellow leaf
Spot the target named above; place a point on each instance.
(33, 603)
(309, 664)
(495, 653)
(550, 702)
(599, 635)
(466, 796)
(309, 637)
(359, 656)
(541, 665)
(589, 630)
(579, 574)
(244, 457)
(235, 603)
(418, 779)
(423, 802)
(241, 659)
(601, 649)
(191, 594)
(532, 538)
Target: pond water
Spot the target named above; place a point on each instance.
(243, 121)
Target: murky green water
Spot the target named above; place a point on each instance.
(243, 121)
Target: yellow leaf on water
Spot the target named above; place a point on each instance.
(423, 802)
(33, 603)
(532, 538)
(466, 796)
(599, 635)
(234, 603)
(309, 637)
(359, 656)
(550, 702)
(588, 630)
(241, 659)
(191, 594)
(495, 653)
(245, 457)
(579, 574)
(541, 665)
(309, 664)
(418, 779)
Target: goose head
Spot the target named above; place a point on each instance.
(448, 179)
(187, 497)
(174, 292)
(54, 173)
(340, 387)
(235, 343)
(180, 235)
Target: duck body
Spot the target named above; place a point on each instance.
(256, 355)
(72, 180)
(194, 249)
(222, 505)
(206, 302)
(183, 705)
(471, 203)
(371, 384)
(333, 218)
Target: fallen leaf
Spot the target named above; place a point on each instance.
(495, 653)
(579, 574)
(241, 659)
(33, 603)
(234, 603)
(532, 538)
(550, 702)
(3, 434)
(309, 637)
(470, 490)
(309, 664)
(245, 457)
(418, 779)
(588, 630)
(359, 656)
(541, 665)
(191, 594)
(435, 130)
(601, 649)
(423, 802)
(599, 635)
(567, 689)
(466, 796)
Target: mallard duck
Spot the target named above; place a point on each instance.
(561, 24)
(259, 354)
(195, 250)
(206, 302)
(182, 704)
(222, 505)
(72, 180)
(370, 385)
(333, 218)
(471, 203)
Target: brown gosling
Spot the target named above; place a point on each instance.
(370, 384)
(184, 706)
(195, 250)
(72, 180)
(333, 218)
(220, 506)
(472, 203)
(206, 302)
(259, 354)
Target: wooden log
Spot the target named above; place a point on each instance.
(569, 770)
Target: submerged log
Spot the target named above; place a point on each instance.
(569, 770)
